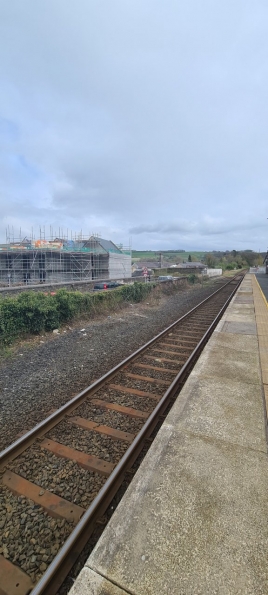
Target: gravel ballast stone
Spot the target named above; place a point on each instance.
(45, 372)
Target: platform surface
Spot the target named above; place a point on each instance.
(262, 279)
(194, 519)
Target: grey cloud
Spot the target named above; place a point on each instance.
(131, 114)
(204, 227)
(186, 227)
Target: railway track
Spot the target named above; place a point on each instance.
(59, 478)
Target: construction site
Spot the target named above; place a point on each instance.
(25, 261)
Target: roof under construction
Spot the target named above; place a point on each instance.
(61, 259)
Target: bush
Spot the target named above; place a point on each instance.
(36, 312)
(11, 319)
(192, 278)
(68, 303)
(28, 313)
(136, 292)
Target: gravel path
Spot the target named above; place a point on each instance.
(44, 372)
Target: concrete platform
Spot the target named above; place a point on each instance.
(194, 520)
(263, 282)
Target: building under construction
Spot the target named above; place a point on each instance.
(61, 260)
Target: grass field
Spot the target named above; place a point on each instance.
(172, 256)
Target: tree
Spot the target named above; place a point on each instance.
(189, 258)
(210, 260)
(250, 257)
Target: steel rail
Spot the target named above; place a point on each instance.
(17, 447)
(62, 563)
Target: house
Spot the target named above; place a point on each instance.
(191, 265)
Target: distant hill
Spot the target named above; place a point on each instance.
(172, 256)
(228, 259)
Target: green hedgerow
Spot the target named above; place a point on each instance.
(33, 313)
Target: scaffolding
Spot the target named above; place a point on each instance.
(60, 258)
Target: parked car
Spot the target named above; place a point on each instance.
(165, 278)
(106, 285)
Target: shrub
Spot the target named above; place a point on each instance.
(192, 278)
(136, 292)
(11, 319)
(32, 312)
(28, 313)
(37, 311)
(68, 303)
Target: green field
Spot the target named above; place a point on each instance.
(172, 256)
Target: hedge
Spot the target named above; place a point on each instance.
(32, 313)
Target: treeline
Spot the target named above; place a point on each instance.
(233, 259)
(32, 313)
(155, 252)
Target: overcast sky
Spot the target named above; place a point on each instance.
(142, 120)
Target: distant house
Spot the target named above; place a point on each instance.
(140, 272)
(192, 265)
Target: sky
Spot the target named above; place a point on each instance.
(144, 122)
